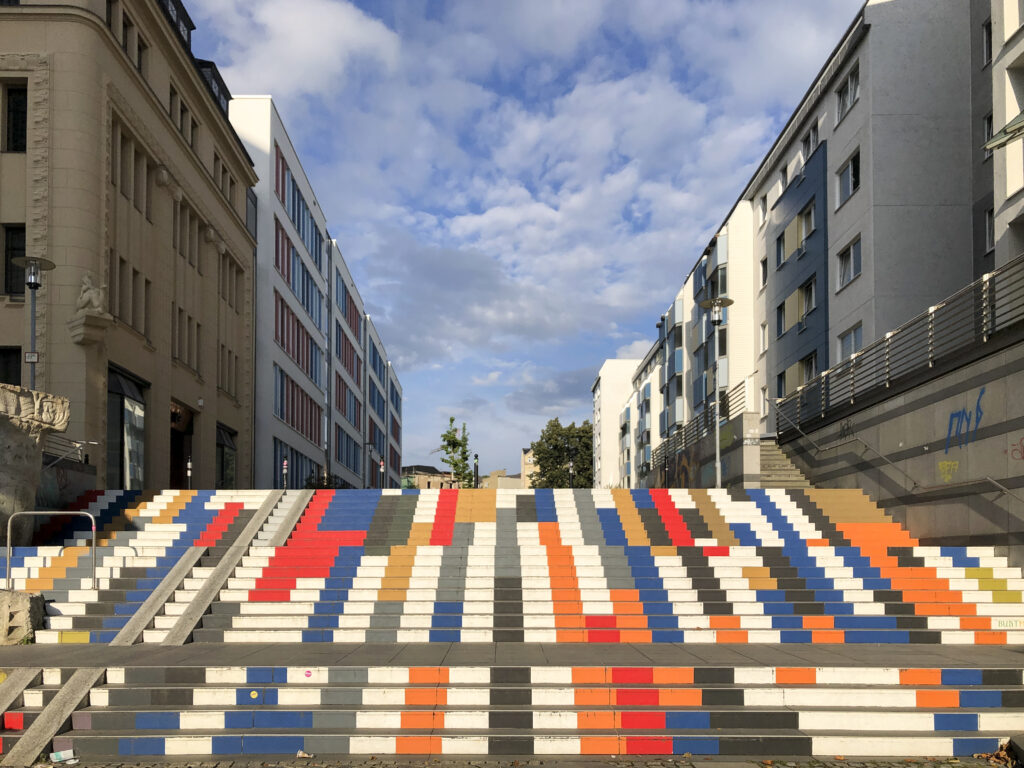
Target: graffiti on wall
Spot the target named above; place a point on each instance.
(1016, 451)
(963, 425)
(947, 469)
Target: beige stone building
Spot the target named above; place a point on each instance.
(118, 164)
(424, 477)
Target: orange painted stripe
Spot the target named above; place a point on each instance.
(976, 622)
(817, 543)
(637, 636)
(589, 675)
(990, 638)
(422, 721)
(426, 697)
(938, 699)
(680, 697)
(599, 745)
(920, 677)
(571, 636)
(593, 697)
(796, 675)
(819, 622)
(633, 621)
(418, 745)
(673, 675)
(428, 675)
(828, 636)
(625, 595)
(731, 636)
(725, 622)
(595, 721)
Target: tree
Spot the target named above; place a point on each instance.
(558, 446)
(454, 450)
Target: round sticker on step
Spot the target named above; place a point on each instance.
(309, 673)
(253, 695)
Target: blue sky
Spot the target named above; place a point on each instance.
(520, 186)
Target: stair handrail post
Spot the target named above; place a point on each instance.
(10, 520)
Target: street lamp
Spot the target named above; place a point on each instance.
(571, 483)
(34, 268)
(716, 306)
(476, 470)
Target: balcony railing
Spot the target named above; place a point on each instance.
(976, 321)
(734, 402)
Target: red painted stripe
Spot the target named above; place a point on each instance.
(599, 622)
(639, 675)
(444, 517)
(602, 636)
(636, 721)
(637, 697)
(649, 745)
(14, 721)
(677, 529)
(716, 551)
(219, 525)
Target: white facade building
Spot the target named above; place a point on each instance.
(610, 390)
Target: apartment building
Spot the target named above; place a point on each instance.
(1001, 39)
(119, 167)
(874, 202)
(327, 398)
(292, 316)
(638, 418)
(610, 389)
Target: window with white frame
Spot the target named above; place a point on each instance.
(850, 342)
(990, 230)
(764, 271)
(986, 43)
(807, 298)
(806, 222)
(764, 401)
(809, 143)
(809, 367)
(986, 132)
(784, 177)
(764, 337)
(762, 210)
(849, 263)
(849, 178)
(847, 93)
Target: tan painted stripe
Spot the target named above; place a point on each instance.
(846, 505)
(636, 534)
(476, 506)
(708, 510)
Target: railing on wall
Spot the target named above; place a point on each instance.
(734, 402)
(950, 334)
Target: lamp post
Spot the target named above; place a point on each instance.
(571, 483)
(34, 268)
(716, 306)
(381, 484)
(476, 470)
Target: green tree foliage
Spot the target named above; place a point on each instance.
(555, 448)
(454, 451)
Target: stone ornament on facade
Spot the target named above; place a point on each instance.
(26, 416)
(91, 320)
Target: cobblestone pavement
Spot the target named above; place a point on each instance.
(553, 762)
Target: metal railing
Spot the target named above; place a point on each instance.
(945, 334)
(10, 520)
(734, 402)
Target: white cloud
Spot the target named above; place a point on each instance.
(635, 350)
(520, 188)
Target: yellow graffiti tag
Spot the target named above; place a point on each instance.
(947, 469)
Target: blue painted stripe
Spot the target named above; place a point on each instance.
(154, 721)
(961, 677)
(956, 722)
(695, 745)
(970, 746)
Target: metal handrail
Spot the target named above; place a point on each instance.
(775, 402)
(886, 459)
(49, 514)
(968, 318)
(1003, 488)
(700, 426)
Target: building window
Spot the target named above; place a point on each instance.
(780, 250)
(10, 366)
(764, 401)
(780, 385)
(127, 28)
(809, 367)
(227, 453)
(780, 320)
(141, 56)
(990, 230)
(850, 342)
(849, 178)
(764, 337)
(762, 210)
(809, 143)
(986, 43)
(764, 271)
(806, 223)
(849, 263)
(14, 247)
(807, 298)
(15, 113)
(847, 93)
(126, 432)
(784, 177)
(986, 132)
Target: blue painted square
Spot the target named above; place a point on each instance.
(961, 677)
(981, 699)
(283, 719)
(237, 718)
(450, 621)
(688, 720)
(147, 745)
(794, 636)
(323, 622)
(877, 636)
(662, 622)
(153, 721)
(448, 608)
(445, 635)
(227, 745)
(967, 747)
(956, 722)
(667, 636)
(315, 636)
(787, 622)
(695, 746)
(255, 675)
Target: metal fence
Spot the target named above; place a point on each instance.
(734, 402)
(952, 333)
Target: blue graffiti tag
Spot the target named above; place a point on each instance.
(961, 420)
